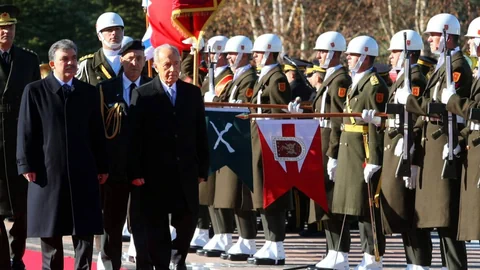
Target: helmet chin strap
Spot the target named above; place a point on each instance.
(217, 55)
(399, 64)
(326, 63)
(237, 60)
(358, 64)
(440, 48)
(112, 46)
(476, 42)
(264, 59)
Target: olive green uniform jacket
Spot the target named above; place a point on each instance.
(350, 195)
(437, 199)
(398, 202)
(275, 90)
(94, 68)
(333, 90)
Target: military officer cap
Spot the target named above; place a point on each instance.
(132, 45)
(301, 64)
(314, 68)
(426, 64)
(383, 71)
(8, 14)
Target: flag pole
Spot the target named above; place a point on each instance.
(302, 115)
(252, 105)
(149, 62)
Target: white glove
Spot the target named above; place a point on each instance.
(456, 150)
(368, 116)
(239, 101)
(402, 94)
(294, 107)
(399, 148)
(411, 182)
(208, 97)
(447, 93)
(331, 168)
(369, 170)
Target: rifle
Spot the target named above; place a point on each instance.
(307, 83)
(449, 120)
(405, 120)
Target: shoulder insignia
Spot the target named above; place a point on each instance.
(30, 51)
(374, 80)
(379, 97)
(342, 92)
(456, 76)
(416, 91)
(249, 92)
(282, 87)
(86, 57)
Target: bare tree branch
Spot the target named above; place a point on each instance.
(290, 18)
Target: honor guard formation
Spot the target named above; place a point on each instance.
(95, 149)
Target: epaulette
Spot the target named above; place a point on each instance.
(374, 80)
(30, 51)
(86, 57)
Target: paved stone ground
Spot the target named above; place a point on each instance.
(302, 252)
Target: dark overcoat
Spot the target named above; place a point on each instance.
(23, 69)
(168, 148)
(62, 140)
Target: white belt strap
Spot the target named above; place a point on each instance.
(259, 100)
(436, 91)
(474, 126)
(234, 91)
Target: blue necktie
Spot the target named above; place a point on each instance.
(171, 95)
(67, 89)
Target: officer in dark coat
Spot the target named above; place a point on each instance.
(437, 198)
(105, 63)
(116, 99)
(167, 159)
(18, 67)
(61, 151)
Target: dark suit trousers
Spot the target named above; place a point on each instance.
(52, 252)
(115, 201)
(12, 243)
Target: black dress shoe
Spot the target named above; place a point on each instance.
(238, 257)
(262, 261)
(193, 249)
(200, 252)
(224, 256)
(213, 253)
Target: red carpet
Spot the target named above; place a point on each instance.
(33, 261)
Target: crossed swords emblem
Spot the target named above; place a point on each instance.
(220, 137)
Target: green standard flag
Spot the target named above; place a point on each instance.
(229, 142)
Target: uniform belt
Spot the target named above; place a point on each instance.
(474, 126)
(324, 123)
(391, 123)
(355, 128)
(5, 108)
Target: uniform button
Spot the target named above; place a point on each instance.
(344, 110)
(346, 144)
(98, 77)
(176, 136)
(388, 146)
(385, 149)
(174, 113)
(178, 158)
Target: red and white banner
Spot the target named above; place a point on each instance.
(292, 157)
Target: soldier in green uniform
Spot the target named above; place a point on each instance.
(397, 197)
(330, 98)
(105, 63)
(437, 198)
(427, 65)
(222, 218)
(360, 151)
(469, 218)
(271, 88)
(18, 67)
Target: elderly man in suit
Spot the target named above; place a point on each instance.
(61, 152)
(168, 158)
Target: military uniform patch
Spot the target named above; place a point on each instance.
(342, 91)
(416, 91)
(374, 80)
(456, 76)
(282, 87)
(379, 97)
(249, 93)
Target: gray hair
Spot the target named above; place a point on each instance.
(162, 47)
(64, 44)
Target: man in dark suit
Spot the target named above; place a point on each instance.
(167, 159)
(117, 93)
(61, 151)
(18, 67)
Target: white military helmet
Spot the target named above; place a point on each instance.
(216, 45)
(332, 42)
(126, 40)
(240, 45)
(446, 21)
(414, 41)
(267, 43)
(474, 33)
(363, 45)
(109, 19)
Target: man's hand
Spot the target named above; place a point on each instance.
(410, 182)
(30, 176)
(138, 182)
(368, 116)
(102, 178)
(456, 151)
(447, 93)
(402, 94)
(208, 97)
(369, 170)
(201, 179)
(331, 168)
(294, 107)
